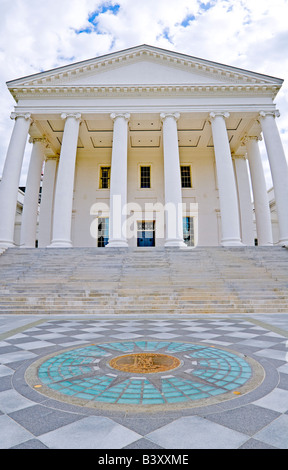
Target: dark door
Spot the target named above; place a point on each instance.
(146, 234)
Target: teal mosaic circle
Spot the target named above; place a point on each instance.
(84, 374)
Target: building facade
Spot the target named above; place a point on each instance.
(144, 147)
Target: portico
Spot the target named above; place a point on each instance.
(144, 136)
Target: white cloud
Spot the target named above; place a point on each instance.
(37, 35)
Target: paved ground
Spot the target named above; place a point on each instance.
(252, 418)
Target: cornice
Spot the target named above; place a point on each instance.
(140, 90)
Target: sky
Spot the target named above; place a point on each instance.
(38, 35)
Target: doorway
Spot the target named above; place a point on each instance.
(146, 233)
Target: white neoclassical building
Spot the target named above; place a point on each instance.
(144, 147)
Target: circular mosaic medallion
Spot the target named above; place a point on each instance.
(145, 373)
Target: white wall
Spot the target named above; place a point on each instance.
(201, 200)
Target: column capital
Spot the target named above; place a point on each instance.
(248, 138)
(223, 114)
(40, 140)
(175, 116)
(76, 116)
(125, 116)
(52, 157)
(26, 116)
(263, 114)
(236, 156)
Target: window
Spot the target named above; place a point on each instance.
(188, 231)
(186, 177)
(145, 177)
(103, 231)
(105, 177)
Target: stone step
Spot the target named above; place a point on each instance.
(166, 311)
(113, 301)
(155, 300)
(110, 299)
(144, 289)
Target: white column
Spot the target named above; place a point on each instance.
(11, 177)
(31, 199)
(279, 170)
(172, 181)
(244, 199)
(65, 182)
(260, 196)
(47, 202)
(118, 182)
(226, 182)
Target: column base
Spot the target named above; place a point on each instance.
(117, 244)
(60, 244)
(232, 242)
(175, 243)
(265, 243)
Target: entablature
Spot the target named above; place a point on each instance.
(176, 90)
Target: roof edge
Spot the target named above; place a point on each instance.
(138, 48)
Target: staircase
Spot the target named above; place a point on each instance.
(144, 280)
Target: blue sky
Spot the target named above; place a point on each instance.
(36, 35)
(93, 17)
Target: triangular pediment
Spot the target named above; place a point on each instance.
(143, 65)
(141, 71)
